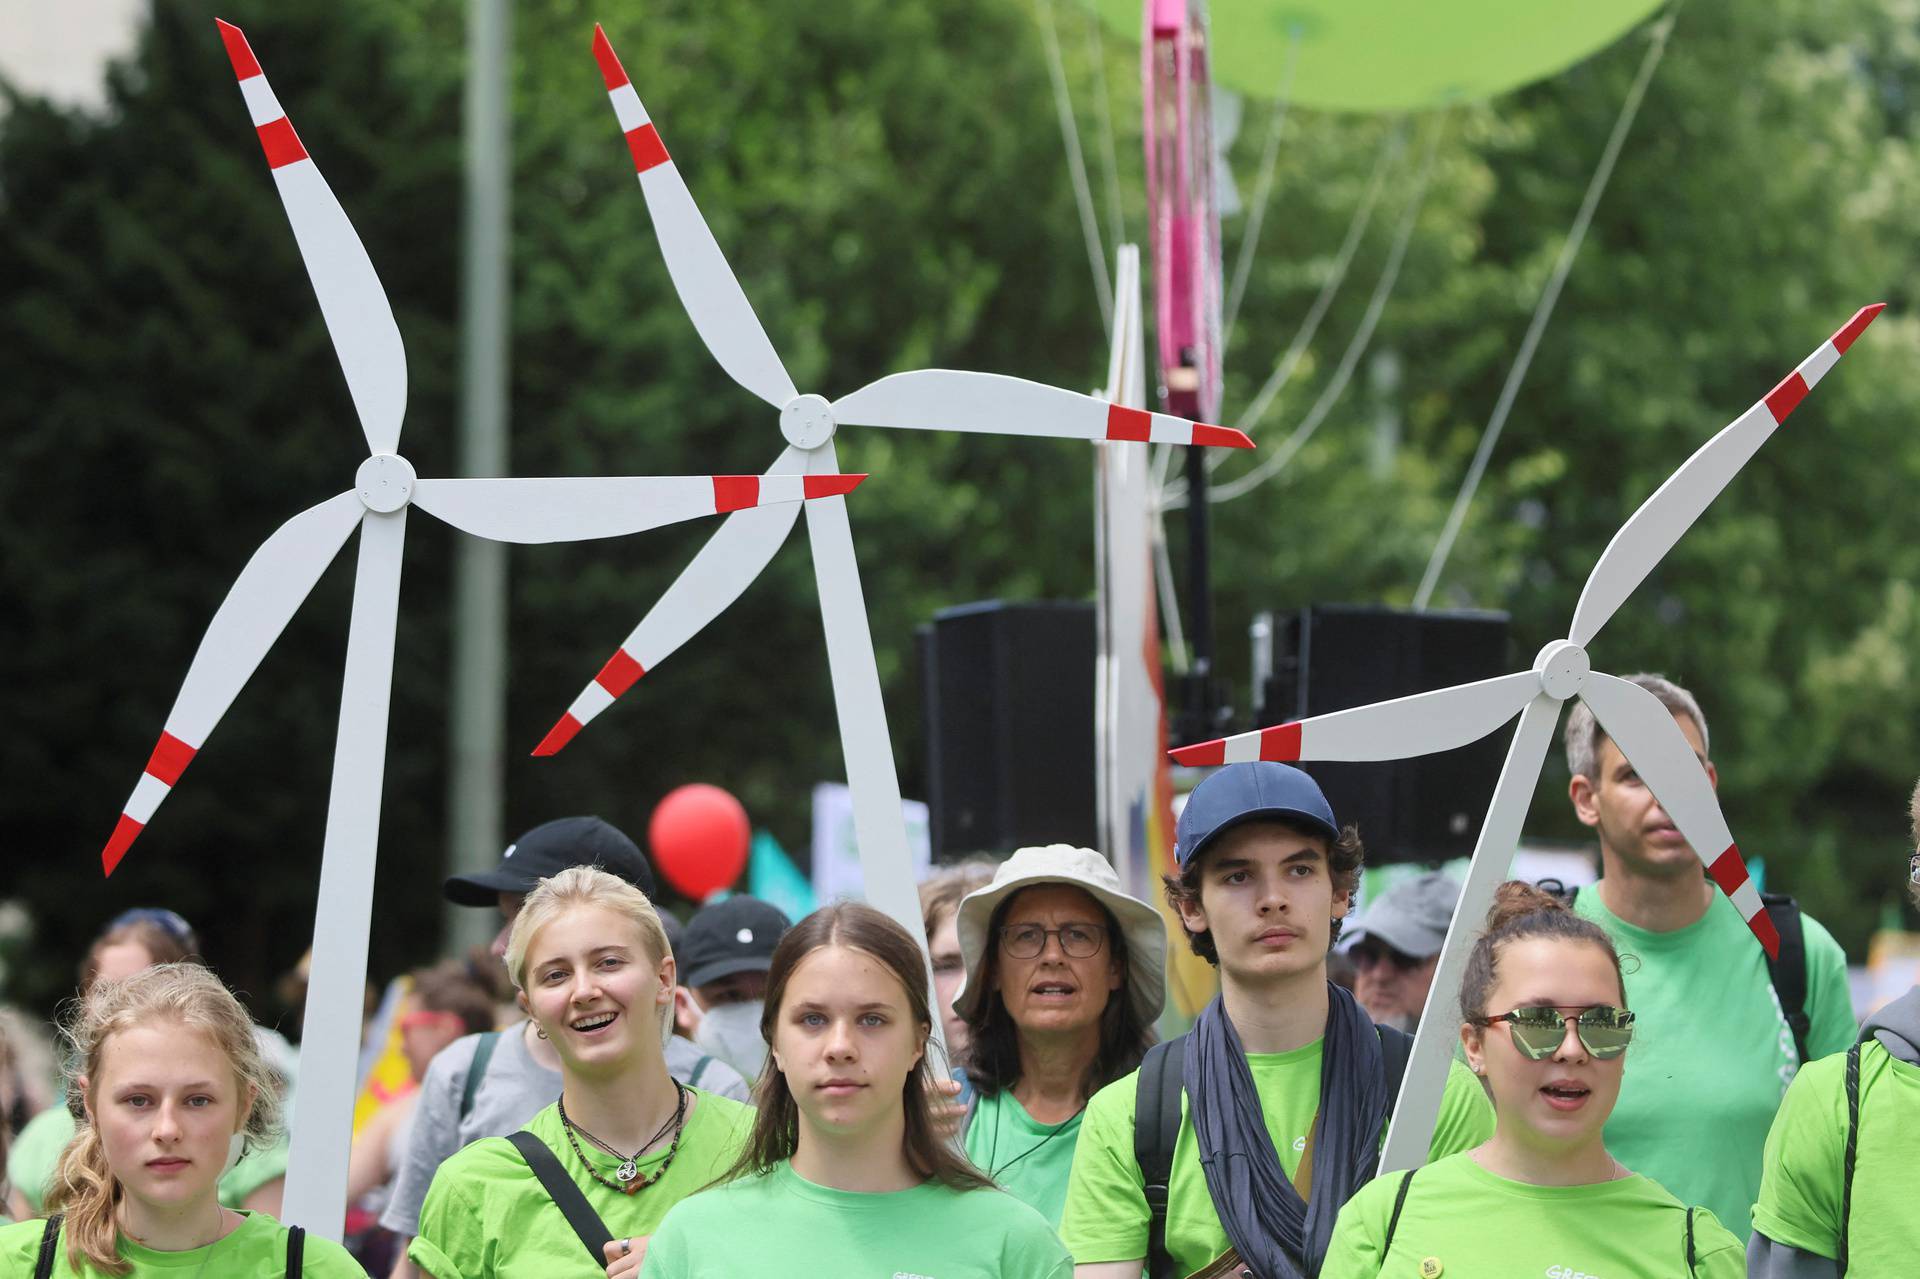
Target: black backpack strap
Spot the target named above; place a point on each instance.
(1690, 1253)
(477, 1070)
(1156, 1130)
(49, 1248)
(699, 1069)
(1853, 1145)
(296, 1250)
(566, 1196)
(1788, 969)
(1393, 1222)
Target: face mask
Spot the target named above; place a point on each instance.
(731, 1032)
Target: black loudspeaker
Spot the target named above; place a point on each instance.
(1008, 690)
(1332, 657)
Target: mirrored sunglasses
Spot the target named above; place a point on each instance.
(1604, 1031)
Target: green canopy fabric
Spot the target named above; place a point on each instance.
(1397, 55)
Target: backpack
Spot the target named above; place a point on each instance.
(50, 1249)
(1400, 1200)
(1156, 1127)
(1787, 971)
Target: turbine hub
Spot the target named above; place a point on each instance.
(1563, 668)
(385, 482)
(807, 421)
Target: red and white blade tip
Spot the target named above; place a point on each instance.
(1279, 744)
(1856, 326)
(239, 52)
(610, 69)
(1783, 399)
(1729, 871)
(169, 759)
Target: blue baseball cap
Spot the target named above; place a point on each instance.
(1245, 792)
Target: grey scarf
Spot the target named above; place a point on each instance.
(1276, 1234)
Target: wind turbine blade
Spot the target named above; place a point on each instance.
(1647, 735)
(724, 568)
(714, 300)
(316, 1192)
(1663, 518)
(354, 305)
(1417, 1111)
(256, 610)
(575, 510)
(948, 400)
(1399, 729)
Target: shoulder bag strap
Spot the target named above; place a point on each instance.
(296, 1250)
(1393, 1222)
(1156, 1131)
(49, 1248)
(1690, 1252)
(699, 1070)
(566, 1196)
(1788, 970)
(477, 1070)
(1853, 1144)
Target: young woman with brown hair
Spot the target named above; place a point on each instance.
(174, 1088)
(845, 1153)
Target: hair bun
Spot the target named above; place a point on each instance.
(1517, 898)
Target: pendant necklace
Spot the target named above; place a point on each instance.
(627, 1175)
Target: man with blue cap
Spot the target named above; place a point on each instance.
(1232, 1149)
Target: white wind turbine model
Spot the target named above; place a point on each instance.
(283, 571)
(1639, 725)
(932, 399)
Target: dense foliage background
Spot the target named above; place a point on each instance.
(887, 180)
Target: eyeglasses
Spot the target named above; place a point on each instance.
(1077, 941)
(422, 1017)
(1368, 953)
(1605, 1031)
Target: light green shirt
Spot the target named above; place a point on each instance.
(1027, 1159)
(781, 1226)
(1800, 1188)
(1106, 1217)
(35, 1155)
(1469, 1223)
(257, 1248)
(1711, 1051)
(487, 1215)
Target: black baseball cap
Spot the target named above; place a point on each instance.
(1244, 792)
(548, 849)
(733, 936)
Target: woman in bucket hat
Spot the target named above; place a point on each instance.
(1065, 975)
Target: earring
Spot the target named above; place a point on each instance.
(538, 1030)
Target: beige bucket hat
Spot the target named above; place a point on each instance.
(1082, 868)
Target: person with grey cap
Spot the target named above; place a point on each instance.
(491, 1084)
(1394, 945)
(1065, 974)
(724, 955)
(1233, 1147)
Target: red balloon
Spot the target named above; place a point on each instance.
(698, 836)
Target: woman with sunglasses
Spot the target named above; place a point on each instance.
(847, 1173)
(1064, 975)
(1545, 1027)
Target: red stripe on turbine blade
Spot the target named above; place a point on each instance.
(169, 759)
(1128, 424)
(239, 52)
(1220, 437)
(558, 736)
(125, 831)
(648, 150)
(830, 485)
(1762, 926)
(1786, 397)
(1856, 326)
(281, 143)
(618, 675)
(735, 492)
(1729, 870)
(1201, 755)
(610, 69)
(1281, 742)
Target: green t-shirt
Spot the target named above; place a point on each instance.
(1800, 1189)
(257, 1248)
(35, 1154)
(1106, 1216)
(781, 1226)
(486, 1214)
(1028, 1160)
(1479, 1226)
(1711, 1051)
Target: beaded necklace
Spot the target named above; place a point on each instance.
(629, 1181)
